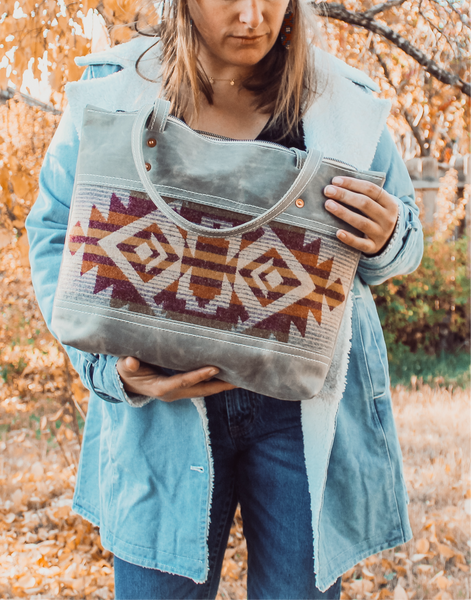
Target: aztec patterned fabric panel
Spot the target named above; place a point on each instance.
(279, 282)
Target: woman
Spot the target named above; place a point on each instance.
(320, 483)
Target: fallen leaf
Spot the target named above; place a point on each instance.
(436, 576)
(348, 574)
(69, 434)
(400, 593)
(56, 415)
(17, 498)
(425, 568)
(62, 512)
(103, 593)
(417, 557)
(445, 551)
(443, 583)
(20, 438)
(362, 586)
(422, 546)
(37, 470)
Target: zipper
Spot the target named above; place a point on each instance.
(215, 136)
(335, 161)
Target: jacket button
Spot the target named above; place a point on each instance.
(148, 167)
(151, 142)
(299, 202)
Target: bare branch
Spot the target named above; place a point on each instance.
(379, 8)
(437, 29)
(463, 18)
(337, 11)
(424, 149)
(101, 11)
(11, 93)
(416, 132)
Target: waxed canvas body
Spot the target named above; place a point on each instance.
(264, 306)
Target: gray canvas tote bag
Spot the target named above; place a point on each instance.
(186, 250)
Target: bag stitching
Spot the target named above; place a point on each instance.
(202, 337)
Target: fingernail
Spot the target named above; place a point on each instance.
(341, 234)
(330, 190)
(213, 371)
(331, 205)
(337, 180)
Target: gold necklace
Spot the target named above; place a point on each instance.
(231, 81)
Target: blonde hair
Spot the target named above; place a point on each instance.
(283, 82)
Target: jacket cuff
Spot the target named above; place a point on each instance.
(135, 400)
(100, 378)
(392, 248)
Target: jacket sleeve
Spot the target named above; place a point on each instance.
(46, 225)
(404, 251)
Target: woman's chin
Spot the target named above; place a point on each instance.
(246, 58)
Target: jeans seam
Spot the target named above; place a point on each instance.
(217, 545)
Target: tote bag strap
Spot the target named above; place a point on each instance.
(158, 121)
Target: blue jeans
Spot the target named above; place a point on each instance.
(258, 455)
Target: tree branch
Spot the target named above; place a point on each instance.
(416, 132)
(337, 11)
(437, 29)
(379, 8)
(463, 18)
(11, 93)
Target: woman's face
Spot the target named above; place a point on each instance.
(237, 33)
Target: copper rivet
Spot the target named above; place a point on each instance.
(299, 202)
(148, 167)
(151, 142)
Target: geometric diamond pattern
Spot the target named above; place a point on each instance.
(260, 283)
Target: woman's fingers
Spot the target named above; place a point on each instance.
(207, 388)
(365, 245)
(192, 385)
(363, 223)
(143, 379)
(131, 364)
(379, 212)
(367, 188)
(185, 381)
(365, 204)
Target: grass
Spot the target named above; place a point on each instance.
(447, 369)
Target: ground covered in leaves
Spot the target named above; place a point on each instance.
(46, 551)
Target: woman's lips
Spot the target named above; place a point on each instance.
(244, 39)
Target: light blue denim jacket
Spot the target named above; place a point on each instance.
(135, 478)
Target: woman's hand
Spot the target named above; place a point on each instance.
(143, 379)
(379, 212)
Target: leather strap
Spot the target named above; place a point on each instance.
(159, 115)
(309, 170)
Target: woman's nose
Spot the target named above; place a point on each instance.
(251, 14)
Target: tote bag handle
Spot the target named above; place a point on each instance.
(157, 124)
